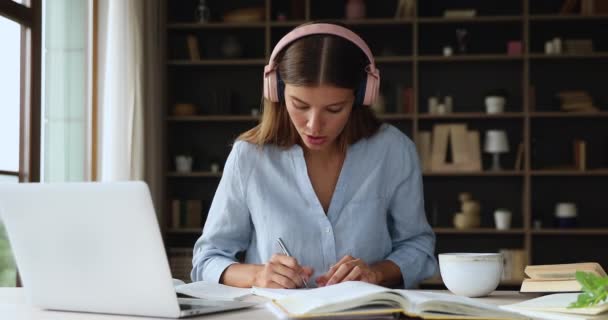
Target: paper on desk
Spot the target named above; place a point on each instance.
(555, 307)
(212, 291)
(274, 293)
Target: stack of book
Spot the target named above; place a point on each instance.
(578, 100)
(578, 46)
(557, 277)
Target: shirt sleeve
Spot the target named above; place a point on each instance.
(228, 227)
(412, 237)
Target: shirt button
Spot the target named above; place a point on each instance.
(328, 230)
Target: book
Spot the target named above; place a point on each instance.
(357, 299)
(557, 277)
(563, 271)
(555, 306)
(519, 158)
(423, 144)
(193, 51)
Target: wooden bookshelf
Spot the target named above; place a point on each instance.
(409, 54)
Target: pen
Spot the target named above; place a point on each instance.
(285, 252)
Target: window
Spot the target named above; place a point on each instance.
(10, 80)
(64, 102)
(20, 107)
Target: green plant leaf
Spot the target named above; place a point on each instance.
(595, 290)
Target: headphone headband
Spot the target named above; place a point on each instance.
(322, 28)
(367, 91)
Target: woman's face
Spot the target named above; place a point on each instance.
(319, 113)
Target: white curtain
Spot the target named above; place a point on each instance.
(120, 90)
(130, 73)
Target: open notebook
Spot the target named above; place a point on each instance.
(355, 298)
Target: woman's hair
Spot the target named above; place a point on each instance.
(312, 61)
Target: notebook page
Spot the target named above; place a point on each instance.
(308, 300)
(432, 302)
(274, 293)
(212, 291)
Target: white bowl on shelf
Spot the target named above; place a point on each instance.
(471, 274)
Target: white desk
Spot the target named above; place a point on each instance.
(13, 306)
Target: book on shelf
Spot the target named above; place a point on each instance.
(459, 13)
(519, 157)
(557, 277)
(186, 214)
(515, 261)
(360, 299)
(423, 145)
(456, 143)
(193, 50)
(568, 6)
(580, 154)
(405, 9)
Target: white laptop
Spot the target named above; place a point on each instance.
(94, 247)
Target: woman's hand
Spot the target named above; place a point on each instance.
(349, 269)
(282, 272)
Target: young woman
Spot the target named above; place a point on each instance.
(320, 172)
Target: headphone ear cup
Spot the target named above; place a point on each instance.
(361, 92)
(372, 85)
(270, 86)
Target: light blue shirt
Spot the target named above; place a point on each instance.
(376, 211)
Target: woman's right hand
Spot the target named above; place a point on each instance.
(282, 272)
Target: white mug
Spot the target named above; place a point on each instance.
(502, 219)
(183, 164)
(495, 104)
(565, 210)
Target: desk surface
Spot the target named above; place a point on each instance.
(13, 306)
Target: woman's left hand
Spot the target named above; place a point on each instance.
(349, 269)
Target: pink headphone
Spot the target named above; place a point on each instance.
(369, 88)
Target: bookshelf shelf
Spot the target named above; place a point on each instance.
(565, 56)
(566, 17)
(561, 114)
(199, 174)
(217, 118)
(471, 115)
(185, 231)
(470, 58)
(394, 59)
(396, 116)
(290, 23)
(215, 25)
(217, 62)
(478, 231)
(479, 19)
(573, 172)
(376, 22)
(501, 173)
(570, 232)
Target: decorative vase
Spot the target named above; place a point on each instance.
(355, 9)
